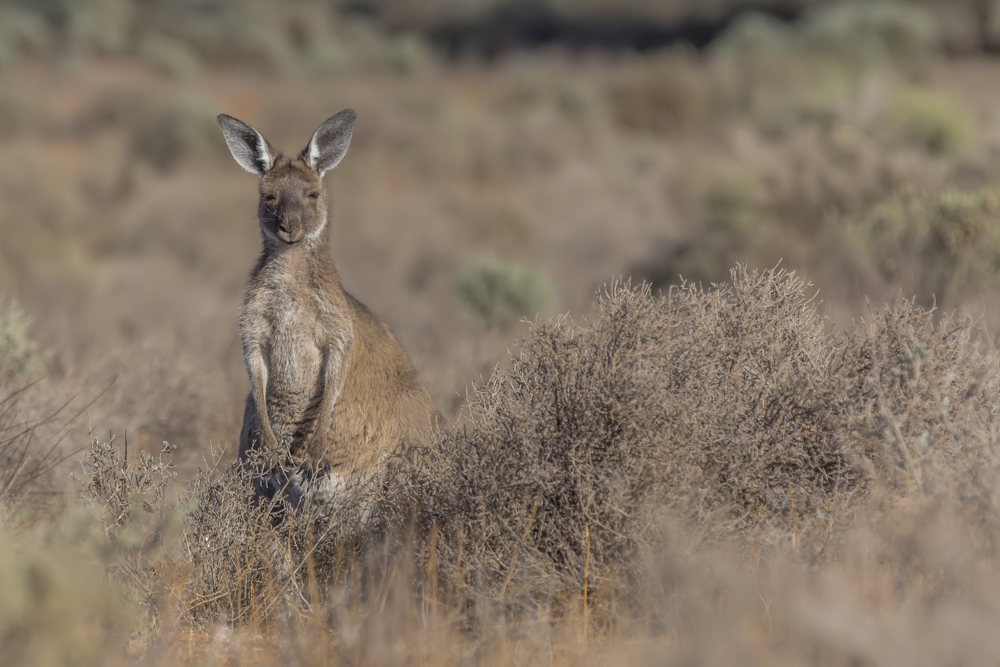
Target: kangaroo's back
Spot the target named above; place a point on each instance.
(332, 393)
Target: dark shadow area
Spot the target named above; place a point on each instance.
(533, 25)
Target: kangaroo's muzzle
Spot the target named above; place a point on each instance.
(290, 230)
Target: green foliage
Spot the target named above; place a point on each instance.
(20, 358)
(933, 119)
(942, 243)
(178, 38)
(734, 204)
(769, 76)
(754, 34)
(501, 292)
(22, 32)
(777, 73)
(858, 34)
(406, 54)
(872, 31)
(58, 607)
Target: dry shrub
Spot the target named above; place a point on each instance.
(729, 411)
(195, 553)
(668, 94)
(58, 606)
(159, 131)
(21, 467)
(213, 552)
(697, 407)
(618, 480)
(33, 428)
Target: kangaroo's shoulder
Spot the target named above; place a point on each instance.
(375, 346)
(365, 319)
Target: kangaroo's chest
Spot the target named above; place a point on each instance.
(287, 326)
(295, 356)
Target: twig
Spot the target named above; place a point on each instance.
(586, 581)
(517, 550)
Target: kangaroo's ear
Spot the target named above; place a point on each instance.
(329, 142)
(247, 145)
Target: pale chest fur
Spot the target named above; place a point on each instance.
(286, 325)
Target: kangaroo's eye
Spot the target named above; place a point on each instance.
(269, 199)
(313, 195)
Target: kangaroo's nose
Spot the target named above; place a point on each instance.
(289, 224)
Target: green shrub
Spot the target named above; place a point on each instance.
(940, 244)
(406, 54)
(500, 292)
(58, 606)
(815, 69)
(754, 34)
(734, 204)
(22, 32)
(300, 38)
(858, 34)
(20, 358)
(868, 32)
(933, 119)
(767, 74)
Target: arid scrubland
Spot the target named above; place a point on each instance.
(741, 466)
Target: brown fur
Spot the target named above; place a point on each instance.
(332, 392)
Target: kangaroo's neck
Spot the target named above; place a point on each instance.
(305, 262)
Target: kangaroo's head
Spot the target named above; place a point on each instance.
(292, 197)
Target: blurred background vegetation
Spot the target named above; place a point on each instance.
(511, 157)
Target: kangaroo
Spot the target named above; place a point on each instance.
(332, 393)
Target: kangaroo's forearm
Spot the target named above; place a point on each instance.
(257, 368)
(334, 374)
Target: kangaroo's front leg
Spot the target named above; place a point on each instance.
(335, 362)
(257, 368)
